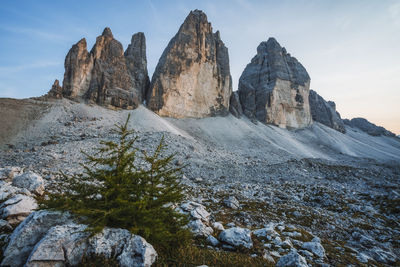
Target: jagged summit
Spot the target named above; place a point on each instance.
(192, 77)
(105, 75)
(107, 32)
(274, 88)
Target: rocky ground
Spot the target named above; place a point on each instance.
(327, 208)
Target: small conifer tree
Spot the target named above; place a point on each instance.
(124, 188)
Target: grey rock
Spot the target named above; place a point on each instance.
(231, 202)
(136, 61)
(368, 127)
(212, 241)
(383, 256)
(325, 112)
(292, 259)
(110, 242)
(199, 228)
(8, 173)
(274, 88)
(30, 181)
(267, 231)
(63, 244)
(5, 226)
(17, 208)
(234, 105)
(195, 210)
(137, 252)
(315, 247)
(29, 233)
(268, 257)
(192, 77)
(237, 237)
(218, 226)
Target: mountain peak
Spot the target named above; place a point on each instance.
(107, 32)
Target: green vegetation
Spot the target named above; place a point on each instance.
(124, 188)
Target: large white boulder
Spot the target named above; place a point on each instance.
(31, 181)
(17, 208)
(28, 234)
(63, 244)
(237, 237)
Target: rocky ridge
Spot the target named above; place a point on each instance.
(192, 77)
(105, 75)
(368, 127)
(325, 112)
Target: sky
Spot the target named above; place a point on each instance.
(349, 48)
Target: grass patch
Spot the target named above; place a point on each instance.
(192, 255)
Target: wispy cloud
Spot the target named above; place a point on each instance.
(24, 67)
(49, 36)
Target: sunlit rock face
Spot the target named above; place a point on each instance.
(192, 78)
(106, 75)
(274, 88)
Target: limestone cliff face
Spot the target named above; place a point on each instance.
(325, 112)
(106, 75)
(192, 78)
(78, 67)
(136, 61)
(274, 88)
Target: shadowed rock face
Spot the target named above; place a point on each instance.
(274, 88)
(192, 77)
(368, 127)
(105, 75)
(325, 112)
(136, 61)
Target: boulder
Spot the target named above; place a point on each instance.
(231, 202)
(315, 247)
(274, 88)
(30, 181)
(110, 242)
(212, 241)
(325, 112)
(199, 218)
(368, 127)
(17, 208)
(195, 210)
(192, 77)
(218, 226)
(237, 237)
(199, 228)
(68, 244)
(8, 173)
(7, 190)
(292, 259)
(137, 252)
(28, 234)
(62, 245)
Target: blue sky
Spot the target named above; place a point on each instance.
(350, 48)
